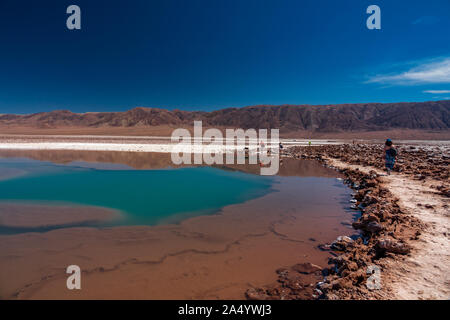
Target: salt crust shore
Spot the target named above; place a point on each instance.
(131, 147)
(141, 147)
(158, 144)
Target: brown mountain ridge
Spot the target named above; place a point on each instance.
(428, 116)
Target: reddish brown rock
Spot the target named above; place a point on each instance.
(306, 268)
(393, 246)
(256, 294)
(341, 243)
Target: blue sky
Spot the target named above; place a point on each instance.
(211, 54)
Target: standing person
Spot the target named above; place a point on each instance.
(390, 155)
(262, 145)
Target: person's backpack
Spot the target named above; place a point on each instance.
(392, 152)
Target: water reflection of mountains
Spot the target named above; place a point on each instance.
(146, 160)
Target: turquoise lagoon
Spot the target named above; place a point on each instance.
(144, 197)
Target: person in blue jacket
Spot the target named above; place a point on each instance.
(390, 155)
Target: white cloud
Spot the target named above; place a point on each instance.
(424, 73)
(437, 91)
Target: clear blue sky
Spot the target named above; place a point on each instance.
(210, 54)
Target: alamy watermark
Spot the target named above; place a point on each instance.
(374, 280)
(74, 280)
(212, 147)
(374, 20)
(73, 22)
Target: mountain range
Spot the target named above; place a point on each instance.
(433, 115)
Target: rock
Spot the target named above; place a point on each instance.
(324, 247)
(284, 294)
(373, 173)
(370, 227)
(272, 290)
(318, 292)
(306, 268)
(374, 227)
(341, 284)
(342, 263)
(282, 272)
(360, 195)
(352, 266)
(323, 286)
(325, 272)
(331, 296)
(372, 217)
(293, 284)
(256, 294)
(358, 276)
(368, 200)
(393, 246)
(371, 183)
(341, 243)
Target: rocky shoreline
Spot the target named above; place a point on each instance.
(418, 162)
(386, 231)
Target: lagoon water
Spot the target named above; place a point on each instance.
(59, 208)
(143, 197)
